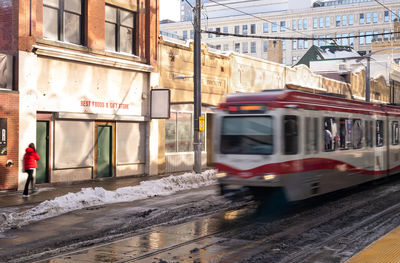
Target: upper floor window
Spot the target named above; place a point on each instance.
(375, 17)
(351, 39)
(362, 38)
(368, 20)
(361, 18)
(327, 21)
(253, 47)
(344, 20)
(252, 28)
(62, 20)
(315, 22)
(351, 20)
(321, 22)
(265, 28)
(237, 30)
(273, 27)
(300, 22)
(218, 29)
(244, 29)
(210, 35)
(120, 30)
(305, 24)
(283, 26)
(294, 24)
(237, 47)
(337, 20)
(386, 15)
(245, 47)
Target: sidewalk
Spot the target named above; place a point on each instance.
(49, 191)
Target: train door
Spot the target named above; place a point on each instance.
(369, 154)
(393, 146)
(380, 148)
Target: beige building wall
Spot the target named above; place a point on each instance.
(229, 72)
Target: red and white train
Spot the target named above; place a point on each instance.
(303, 143)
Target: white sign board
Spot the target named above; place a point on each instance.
(160, 100)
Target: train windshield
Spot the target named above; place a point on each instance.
(247, 135)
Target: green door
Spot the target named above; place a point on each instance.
(42, 148)
(104, 151)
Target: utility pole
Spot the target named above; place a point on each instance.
(197, 89)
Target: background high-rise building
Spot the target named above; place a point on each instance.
(187, 9)
(354, 23)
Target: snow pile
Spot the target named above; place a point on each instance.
(88, 197)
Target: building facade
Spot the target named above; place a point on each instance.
(222, 73)
(355, 23)
(83, 71)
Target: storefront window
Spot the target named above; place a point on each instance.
(170, 133)
(179, 133)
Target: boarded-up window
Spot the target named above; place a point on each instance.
(131, 144)
(73, 146)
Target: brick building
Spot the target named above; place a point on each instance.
(82, 74)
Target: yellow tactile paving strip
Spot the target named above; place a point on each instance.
(384, 250)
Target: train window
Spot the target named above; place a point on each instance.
(395, 133)
(344, 133)
(247, 135)
(315, 135)
(379, 133)
(311, 135)
(331, 137)
(368, 133)
(357, 133)
(290, 134)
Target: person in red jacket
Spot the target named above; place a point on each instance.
(30, 158)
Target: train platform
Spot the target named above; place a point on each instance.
(384, 250)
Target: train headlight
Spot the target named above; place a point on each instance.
(269, 177)
(221, 175)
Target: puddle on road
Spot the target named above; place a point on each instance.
(168, 243)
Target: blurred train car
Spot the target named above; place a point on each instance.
(303, 143)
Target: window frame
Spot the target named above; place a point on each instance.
(380, 132)
(294, 139)
(118, 26)
(395, 132)
(61, 21)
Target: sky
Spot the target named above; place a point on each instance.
(169, 9)
(88, 197)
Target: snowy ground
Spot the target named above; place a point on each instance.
(89, 197)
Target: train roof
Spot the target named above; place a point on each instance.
(285, 98)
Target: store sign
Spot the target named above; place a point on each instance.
(3, 136)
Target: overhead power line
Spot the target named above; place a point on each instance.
(293, 38)
(263, 19)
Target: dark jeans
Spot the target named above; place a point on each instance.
(29, 180)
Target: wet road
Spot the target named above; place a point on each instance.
(328, 229)
(195, 241)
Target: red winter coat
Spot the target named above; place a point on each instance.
(30, 158)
